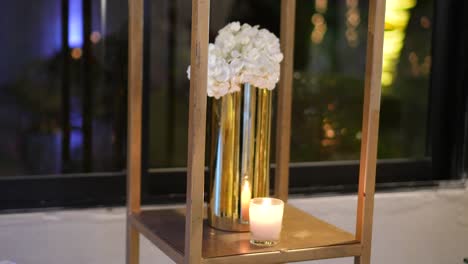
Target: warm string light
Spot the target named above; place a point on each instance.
(353, 19)
(419, 68)
(76, 53)
(319, 22)
(321, 6)
(95, 37)
(425, 22)
(329, 134)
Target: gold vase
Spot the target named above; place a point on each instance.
(239, 156)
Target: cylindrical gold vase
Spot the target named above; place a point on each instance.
(240, 156)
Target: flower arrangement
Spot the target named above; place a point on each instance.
(242, 54)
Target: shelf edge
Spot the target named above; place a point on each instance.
(338, 251)
(161, 244)
(294, 255)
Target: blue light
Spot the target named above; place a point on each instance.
(75, 23)
(76, 139)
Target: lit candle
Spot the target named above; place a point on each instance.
(266, 217)
(246, 195)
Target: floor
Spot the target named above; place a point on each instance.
(427, 227)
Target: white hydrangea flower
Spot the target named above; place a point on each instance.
(263, 59)
(219, 73)
(242, 54)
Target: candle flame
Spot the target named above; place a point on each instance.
(246, 187)
(267, 201)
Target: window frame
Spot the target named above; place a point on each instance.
(447, 143)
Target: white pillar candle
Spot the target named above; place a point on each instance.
(266, 217)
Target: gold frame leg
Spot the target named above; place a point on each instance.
(370, 130)
(133, 245)
(134, 126)
(365, 257)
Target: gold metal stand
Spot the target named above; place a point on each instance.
(182, 235)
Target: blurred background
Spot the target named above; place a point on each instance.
(63, 96)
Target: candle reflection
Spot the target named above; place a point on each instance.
(246, 195)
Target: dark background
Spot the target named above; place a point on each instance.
(63, 92)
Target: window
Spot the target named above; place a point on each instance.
(64, 80)
(63, 101)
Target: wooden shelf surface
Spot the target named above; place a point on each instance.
(303, 237)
